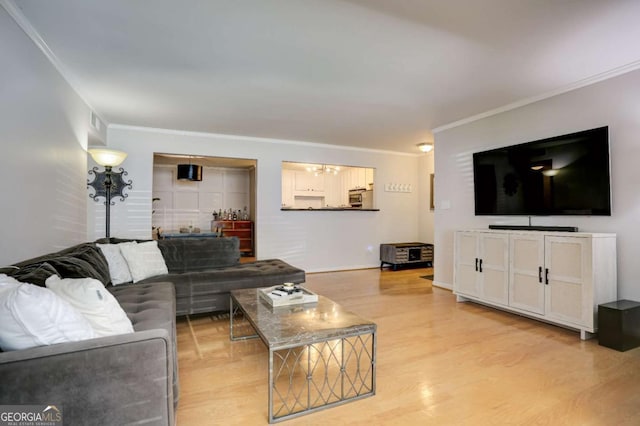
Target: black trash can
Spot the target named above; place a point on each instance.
(619, 325)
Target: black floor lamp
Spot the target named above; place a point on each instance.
(108, 184)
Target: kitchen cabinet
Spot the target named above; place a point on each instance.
(288, 183)
(308, 190)
(368, 174)
(332, 191)
(308, 182)
(558, 277)
(357, 178)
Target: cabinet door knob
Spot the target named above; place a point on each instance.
(540, 274)
(546, 275)
(476, 264)
(480, 265)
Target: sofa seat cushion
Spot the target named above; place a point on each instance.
(148, 306)
(208, 291)
(151, 306)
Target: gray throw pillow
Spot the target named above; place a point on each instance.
(35, 274)
(72, 267)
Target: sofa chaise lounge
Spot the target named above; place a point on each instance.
(129, 378)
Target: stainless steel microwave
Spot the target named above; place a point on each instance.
(361, 198)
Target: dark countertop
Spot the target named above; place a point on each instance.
(329, 209)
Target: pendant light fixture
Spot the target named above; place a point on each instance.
(190, 172)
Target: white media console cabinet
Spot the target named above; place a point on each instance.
(557, 277)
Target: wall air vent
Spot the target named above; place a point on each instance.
(95, 121)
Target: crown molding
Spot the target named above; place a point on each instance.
(633, 66)
(16, 14)
(255, 139)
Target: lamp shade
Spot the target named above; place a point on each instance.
(189, 172)
(108, 157)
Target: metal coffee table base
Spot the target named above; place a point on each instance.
(314, 375)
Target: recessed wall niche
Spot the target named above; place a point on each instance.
(227, 183)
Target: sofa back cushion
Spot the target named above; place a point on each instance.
(199, 254)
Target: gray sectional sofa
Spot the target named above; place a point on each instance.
(130, 378)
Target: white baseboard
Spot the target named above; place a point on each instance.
(443, 285)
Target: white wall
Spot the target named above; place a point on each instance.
(614, 103)
(425, 213)
(183, 203)
(43, 168)
(314, 241)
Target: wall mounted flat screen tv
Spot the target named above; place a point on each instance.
(563, 175)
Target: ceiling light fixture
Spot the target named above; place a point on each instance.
(425, 146)
(324, 169)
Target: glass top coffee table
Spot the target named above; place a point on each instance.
(320, 354)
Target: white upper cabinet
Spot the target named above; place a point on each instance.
(308, 182)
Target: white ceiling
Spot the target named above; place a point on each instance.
(377, 74)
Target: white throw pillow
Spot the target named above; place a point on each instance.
(9, 282)
(34, 316)
(89, 297)
(118, 268)
(144, 259)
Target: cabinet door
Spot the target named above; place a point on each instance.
(357, 177)
(466, 256)
(362, 178)
(368, 177)
(288, 182)
(567, 260)
(526, 273)
(317, 183)
(306, 181)
(494, 267)
(332, 191)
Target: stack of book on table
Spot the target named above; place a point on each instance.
(287, 294)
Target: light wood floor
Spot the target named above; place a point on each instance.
(438, 363)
